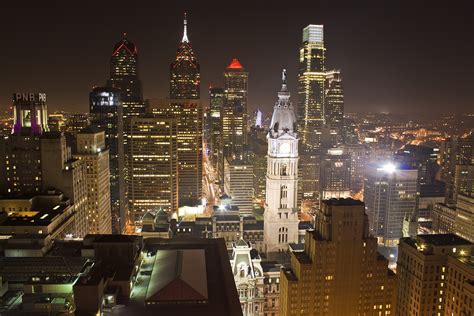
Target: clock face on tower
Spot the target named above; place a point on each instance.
(285, 148)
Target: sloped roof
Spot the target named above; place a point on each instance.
(178, 275)
(235, 64)
(124, 43)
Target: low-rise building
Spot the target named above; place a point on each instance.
(49, 214)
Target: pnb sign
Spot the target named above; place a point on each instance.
(29, 97)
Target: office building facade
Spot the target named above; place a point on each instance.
(334, 105)
(124, 76)
(424, 273)
(107, 114)
(390, 192)
(21, 156)
(311, 85)
(216, 103)
(234, 112)
(91, 149)
(152, 164)
(185, 100)
(335, 175)
(320, 280)
(238, 184)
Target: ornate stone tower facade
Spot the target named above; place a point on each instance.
(281, 216)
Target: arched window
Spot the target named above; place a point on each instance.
(283, 170)
(283, 191)
(283, 195)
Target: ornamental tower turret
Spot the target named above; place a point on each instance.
(281, 216)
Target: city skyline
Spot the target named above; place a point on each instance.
(173, 192)
(397, 72)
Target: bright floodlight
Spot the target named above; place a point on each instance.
(389, 167)
(221, 207)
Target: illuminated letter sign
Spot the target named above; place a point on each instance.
(29, 97)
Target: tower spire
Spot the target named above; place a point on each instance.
(185, 32)
(283, 81)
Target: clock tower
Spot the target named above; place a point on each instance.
(281, 213)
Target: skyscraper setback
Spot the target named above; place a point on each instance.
(124, 76)
(184, 95)
(311, 79)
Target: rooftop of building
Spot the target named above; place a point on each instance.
(227, 218)
(258, 225)
(296, 247)
(125, 43)
(240, 162)
(468, 261)
(305, 225)
(90, 129)
(111, 238)
(271, 266)
(235, 65)
(302, 257)
(21, 269)
(196, 279)
(288, 273)
(444, 240)
(35, 217)
(342, 202)
(391, 166)
(52, 135)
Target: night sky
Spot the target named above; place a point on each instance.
(394, 56)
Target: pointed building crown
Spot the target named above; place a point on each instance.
(235, 64)
(185, 31)
(283, 119)
(124, 43)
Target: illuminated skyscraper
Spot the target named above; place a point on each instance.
(30, 115)
(33, 160)
(184, 95)
(453, 152)
(70, 175)
(20, 160)
(339, 272)
(153, 166)
(281, 213)
(234, 112)
(238, 184)
(311, 79)
(184, 71)
(390, 193)
(124, 76)
(91, 149)
(106, 114)
(335, 175)
(334, 105)
(216, 102)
